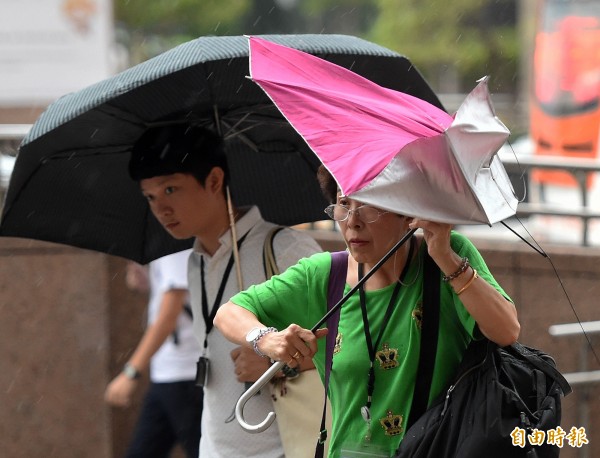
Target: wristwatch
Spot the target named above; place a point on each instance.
(131, 372)
(255, 334)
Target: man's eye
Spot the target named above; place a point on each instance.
(169, 190)
(148, 198)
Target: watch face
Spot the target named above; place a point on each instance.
(131, 372)
(252, 334)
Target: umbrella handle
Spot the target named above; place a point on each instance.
(249, 393)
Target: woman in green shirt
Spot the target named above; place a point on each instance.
(379, 326)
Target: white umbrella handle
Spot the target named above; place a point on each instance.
(249, 393)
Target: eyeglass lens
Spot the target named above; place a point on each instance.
(366, 213)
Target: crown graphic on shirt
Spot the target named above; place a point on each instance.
(338, 343)
(392, 424)
(417, 315)
(387, 357)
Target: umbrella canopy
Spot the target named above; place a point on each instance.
(70, 183)
(388, 148)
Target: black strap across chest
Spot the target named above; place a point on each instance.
(430, 323)
(209, 315)
(371, 348)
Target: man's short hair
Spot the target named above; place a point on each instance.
(180, 148)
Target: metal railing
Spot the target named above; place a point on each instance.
(580, 169)
(583, 378)
(11, 136)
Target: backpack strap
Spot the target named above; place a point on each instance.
(335, 291)
(522, 352)
(430, 322)
(269, 262)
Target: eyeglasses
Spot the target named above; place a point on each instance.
(366, 213)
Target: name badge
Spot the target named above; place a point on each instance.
(363, 450)
(202, 371)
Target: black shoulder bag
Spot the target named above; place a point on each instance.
(499, 396)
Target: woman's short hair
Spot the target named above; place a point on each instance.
(328, 185)
(180, 148)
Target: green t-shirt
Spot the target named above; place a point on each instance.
(299, 295)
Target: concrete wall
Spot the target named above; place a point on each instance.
(68, 323)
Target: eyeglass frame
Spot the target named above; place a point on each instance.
(355, 211)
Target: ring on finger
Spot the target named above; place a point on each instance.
(296, 355)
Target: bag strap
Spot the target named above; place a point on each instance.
(522, 352)
(335, 291)
(430, 322)
(269, 262)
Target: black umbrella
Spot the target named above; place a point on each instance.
(70, 182)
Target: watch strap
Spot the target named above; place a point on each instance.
(131, 372)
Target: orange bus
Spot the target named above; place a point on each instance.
(565, 105)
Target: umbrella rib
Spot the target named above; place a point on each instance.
(238, 122)
(87, 152)
(217, 120)
(242, 137)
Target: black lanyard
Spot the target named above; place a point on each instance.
(209, 317)
(363, 306)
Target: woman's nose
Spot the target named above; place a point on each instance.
(354, 217)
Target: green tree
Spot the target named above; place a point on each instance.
(354, 17)
(453, 43)
(149, 27)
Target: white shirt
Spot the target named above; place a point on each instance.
(173, 362)
(220, 439)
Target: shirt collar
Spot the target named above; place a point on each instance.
(242, 226)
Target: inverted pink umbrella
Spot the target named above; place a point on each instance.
(387, 148)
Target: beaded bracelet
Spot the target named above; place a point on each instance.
(469, 283)
(464, 265)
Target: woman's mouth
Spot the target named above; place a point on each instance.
(357, 242)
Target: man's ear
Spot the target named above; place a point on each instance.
(215, 180)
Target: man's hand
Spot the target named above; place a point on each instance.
(248, 365)
(137, 277)
(120, 391)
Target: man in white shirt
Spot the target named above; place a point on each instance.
(172, 406)
(182, 171)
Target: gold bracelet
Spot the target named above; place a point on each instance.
(469, 283)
